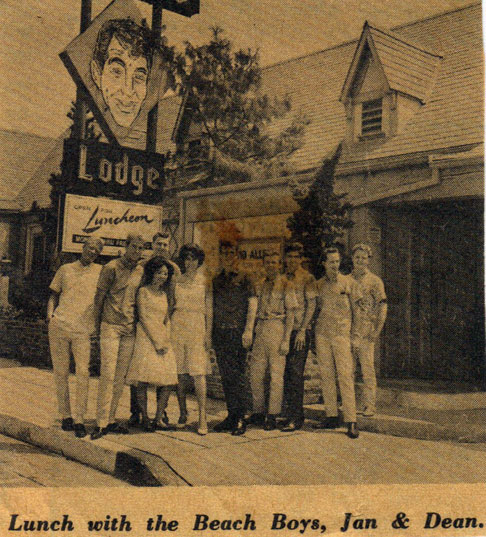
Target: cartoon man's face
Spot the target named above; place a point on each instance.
(122, 82)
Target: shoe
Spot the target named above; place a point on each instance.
(148, 425)
(329, 423)
(293, 425)
(227, 425)
(116, 428)
(257, 419)
(283, 422)
(182, 422)
(79, 430)
(352, 431)
(240, 427)
(202, 431)
(162, 426)
(165, 418)
(270, 423)
(67, 424)
(98, 432)
(134, 420)
(368, 412)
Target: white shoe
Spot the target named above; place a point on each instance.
(367, 413)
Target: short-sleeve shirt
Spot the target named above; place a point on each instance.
(305, 291)
(231, 293)
(373, 292)
(120, 280)
(76, 285)
(275, 298)
(337, 300)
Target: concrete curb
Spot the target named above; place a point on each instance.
(132, 465)
(410, 428)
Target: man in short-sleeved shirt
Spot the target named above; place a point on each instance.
(338, 296)
(71, 323)
(275, 306)
(368, 323)
(232, 290)
(305, 291)
(115, 320)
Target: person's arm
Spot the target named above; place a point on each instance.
(290, 303)
(382, 311)
(310, 308)
(105, 281)
(247, 338)
(52, 304)
(209, 317)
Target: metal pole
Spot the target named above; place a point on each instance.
(79, 128)
(151, 143)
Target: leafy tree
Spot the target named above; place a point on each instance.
(245, 133)
(322, 216)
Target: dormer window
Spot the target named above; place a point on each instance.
(371, 117)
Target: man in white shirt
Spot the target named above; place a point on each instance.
(368, 323)
(71, 323)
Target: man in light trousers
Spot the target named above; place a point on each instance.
(71, 323)
(368, 323)
(115, 320)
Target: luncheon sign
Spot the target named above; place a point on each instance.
(111, 220)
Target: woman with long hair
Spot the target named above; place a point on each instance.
(153, 362)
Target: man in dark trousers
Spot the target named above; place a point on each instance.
(231, 293)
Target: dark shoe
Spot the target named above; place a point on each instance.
(328, 423)
(98, 432)
(182, 422)
(67, 424)
(165, 418)
(134, 420)
(116, 428)
(240, 428)
(293, 425)
(256, 419)
(228, 424)
(79, 430)
(352, 430)
(148, 425)
(283, 422)
(270, 423)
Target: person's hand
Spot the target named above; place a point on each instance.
(247, 339)
(284, 347)
(299, 342)
(208, 344)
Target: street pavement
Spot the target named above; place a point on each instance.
(24, 465)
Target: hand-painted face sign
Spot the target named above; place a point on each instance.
(115, 63)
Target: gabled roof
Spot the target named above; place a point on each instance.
(21, 155)
(452, 115)
(408, 68)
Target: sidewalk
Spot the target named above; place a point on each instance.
(183, 458)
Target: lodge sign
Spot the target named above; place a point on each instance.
(98, 169)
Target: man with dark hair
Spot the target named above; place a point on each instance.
(273, 308)
(304, 286)
(338, 296)
(231, 293)
(122, 59)
(115, 322)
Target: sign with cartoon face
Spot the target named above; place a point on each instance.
(117, 65)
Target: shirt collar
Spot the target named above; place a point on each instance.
(126, 263)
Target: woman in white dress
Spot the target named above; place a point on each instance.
(153, 362)
(191, 330)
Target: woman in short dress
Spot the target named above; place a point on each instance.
(191, 330)
(153, 362)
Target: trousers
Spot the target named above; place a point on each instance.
(266, 356)
(364, 351)
(231, 358)
(335, 359)
(61, 344)
(294, 378)
(116, 353)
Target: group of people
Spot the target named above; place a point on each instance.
(158, 321)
